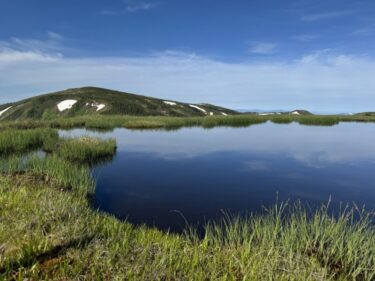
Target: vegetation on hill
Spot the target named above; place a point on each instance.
(98, 101)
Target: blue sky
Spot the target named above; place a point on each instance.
(268, 54)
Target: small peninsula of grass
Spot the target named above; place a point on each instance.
(85, 149)
(49, 231)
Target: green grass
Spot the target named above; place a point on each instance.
(18, 141)
(51, 170)
(48, 230)
(282, 119)
(319, 120)
(84, 149)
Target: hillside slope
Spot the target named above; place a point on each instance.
(91, 100)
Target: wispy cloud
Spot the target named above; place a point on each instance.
(262, 48)
(325, 15)
(143, 6)
(52, 41)
(305, 37)
(131, 6)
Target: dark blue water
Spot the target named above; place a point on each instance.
(164, 179)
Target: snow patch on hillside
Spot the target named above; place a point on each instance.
(295, 113)
(223, 113)
(199, 108)
(5, 110)
(266, 113)
(211, 113)
(66, 104)
(99, 106)
(169, 102)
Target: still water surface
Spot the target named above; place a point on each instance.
(163, 178)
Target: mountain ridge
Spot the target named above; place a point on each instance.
(93, 100)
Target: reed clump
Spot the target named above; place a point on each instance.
(85, 149)
(19, 141)
(319, 120)
(282, 119)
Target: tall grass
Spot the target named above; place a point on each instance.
(85, 149)
(282, 119)
(18, 141)
(104, 122)
(319, 120)
(51, 170)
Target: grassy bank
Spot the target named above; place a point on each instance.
(49, 233)
(48, 230)
(152, 122)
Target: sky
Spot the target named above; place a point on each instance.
(317, 55)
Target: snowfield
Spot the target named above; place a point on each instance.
(169, 102)
(266, 113)
(66, 104)
(5, 110)
(199, 108)
(97, 105)
(100, 107)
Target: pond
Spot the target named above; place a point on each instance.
(169, 178)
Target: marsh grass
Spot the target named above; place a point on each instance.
(51, 170)
(282, 119)
(109, 122)
(84, 149)
(19, 141)
(319, 120)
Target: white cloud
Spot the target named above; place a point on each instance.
(262, 48)
(10, 56)
(326, 15)
(323, 80)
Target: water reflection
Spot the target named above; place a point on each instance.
(158, 174)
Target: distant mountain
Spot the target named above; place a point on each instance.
(91, 100)
(293, 112)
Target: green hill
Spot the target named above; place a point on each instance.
(91, 100)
